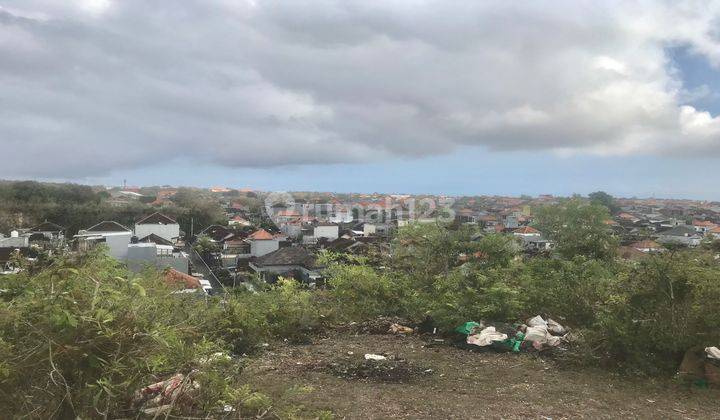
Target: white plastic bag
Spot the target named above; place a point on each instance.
(555, 328)
(485, 337)
(537, 321)
(539, 334)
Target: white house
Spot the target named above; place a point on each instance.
(262, 242)
(158, 224)
(114, 235)
(329, 231)
(372, 229)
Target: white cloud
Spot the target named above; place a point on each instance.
(94, 85)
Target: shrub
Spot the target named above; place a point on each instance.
(661, 308)
(465, 295)
(572, 290)
(359, 292)
(78, 339)
(290, 311)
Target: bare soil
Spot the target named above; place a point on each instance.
(423, 379)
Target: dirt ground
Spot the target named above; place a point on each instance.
(443, 382)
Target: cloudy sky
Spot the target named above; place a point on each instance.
(453, 96)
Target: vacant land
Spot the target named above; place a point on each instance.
(431, 380)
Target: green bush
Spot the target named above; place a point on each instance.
(359, 292)
(659, 309)
(571, 290)
(464, 295)
(290, 311)
(78, 339)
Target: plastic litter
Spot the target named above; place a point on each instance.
(713, 353)
(377, 357)
(555, 328)
(468, 328)
(537, 321)
(400, 329)
(486, 337)
(159, 397)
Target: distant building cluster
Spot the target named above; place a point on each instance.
(266, 240)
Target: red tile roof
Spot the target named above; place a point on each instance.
(260, 235)
(526, 230)
(627, 216)
(172, 277)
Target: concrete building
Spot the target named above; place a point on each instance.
(112, 234)
(14, 241)
(143, 255)
(262, 242)
(330, 231)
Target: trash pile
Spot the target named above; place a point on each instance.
(701, 366)
(536, 333)
(377, 367)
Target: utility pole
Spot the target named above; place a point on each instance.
(192, 221)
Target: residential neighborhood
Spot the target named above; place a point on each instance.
(253, 241)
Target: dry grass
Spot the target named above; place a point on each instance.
(463, 384)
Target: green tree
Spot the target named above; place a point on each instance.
(425, 250)
(497, 250)
(204, 246)
(605, 199)
(578, 228)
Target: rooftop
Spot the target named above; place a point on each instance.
(156, 218)
(108, 226)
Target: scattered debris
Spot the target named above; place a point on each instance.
(379, 325)
(400, 329)
(384, 369)
(177, 391)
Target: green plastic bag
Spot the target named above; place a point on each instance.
(467, 327)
